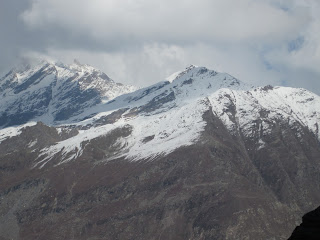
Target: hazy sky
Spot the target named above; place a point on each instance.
(141, 42)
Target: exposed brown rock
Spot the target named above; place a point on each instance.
(222, 187)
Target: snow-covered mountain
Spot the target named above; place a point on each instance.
(169, 115)
(51, 91)
(198, 156)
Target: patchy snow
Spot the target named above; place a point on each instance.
(32, 143)
(10, 132)
(261, 143)
(71, 148)
(295, 104)
(277, 104)
(181, 126)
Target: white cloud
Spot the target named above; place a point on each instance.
(142, 41)
(154, 62)
(151, 64)
(169, 20)
(307, 56)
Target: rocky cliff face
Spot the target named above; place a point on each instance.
(202, 156)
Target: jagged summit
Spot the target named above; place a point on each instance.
(52, 91)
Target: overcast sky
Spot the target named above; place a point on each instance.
(141, 42)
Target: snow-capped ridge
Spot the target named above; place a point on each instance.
(51, 91)
(160, 118)
(181, 123)
(191, 84)
(187, 95)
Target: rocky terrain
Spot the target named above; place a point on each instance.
(200, 156)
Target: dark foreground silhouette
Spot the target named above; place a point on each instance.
(309, 229)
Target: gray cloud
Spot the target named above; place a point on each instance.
(141, 42)
(11, 31)
(173, 21)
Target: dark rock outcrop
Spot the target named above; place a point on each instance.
(309, 229)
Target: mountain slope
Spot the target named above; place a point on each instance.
(202, 156)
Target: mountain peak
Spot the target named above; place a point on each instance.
(178, 74)
(51, 91)
(208, 79)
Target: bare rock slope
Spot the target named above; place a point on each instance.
(202, 156)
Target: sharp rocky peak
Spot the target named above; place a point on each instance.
(52, 91)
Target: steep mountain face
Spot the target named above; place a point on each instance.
(201, 156)
(53, 92)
